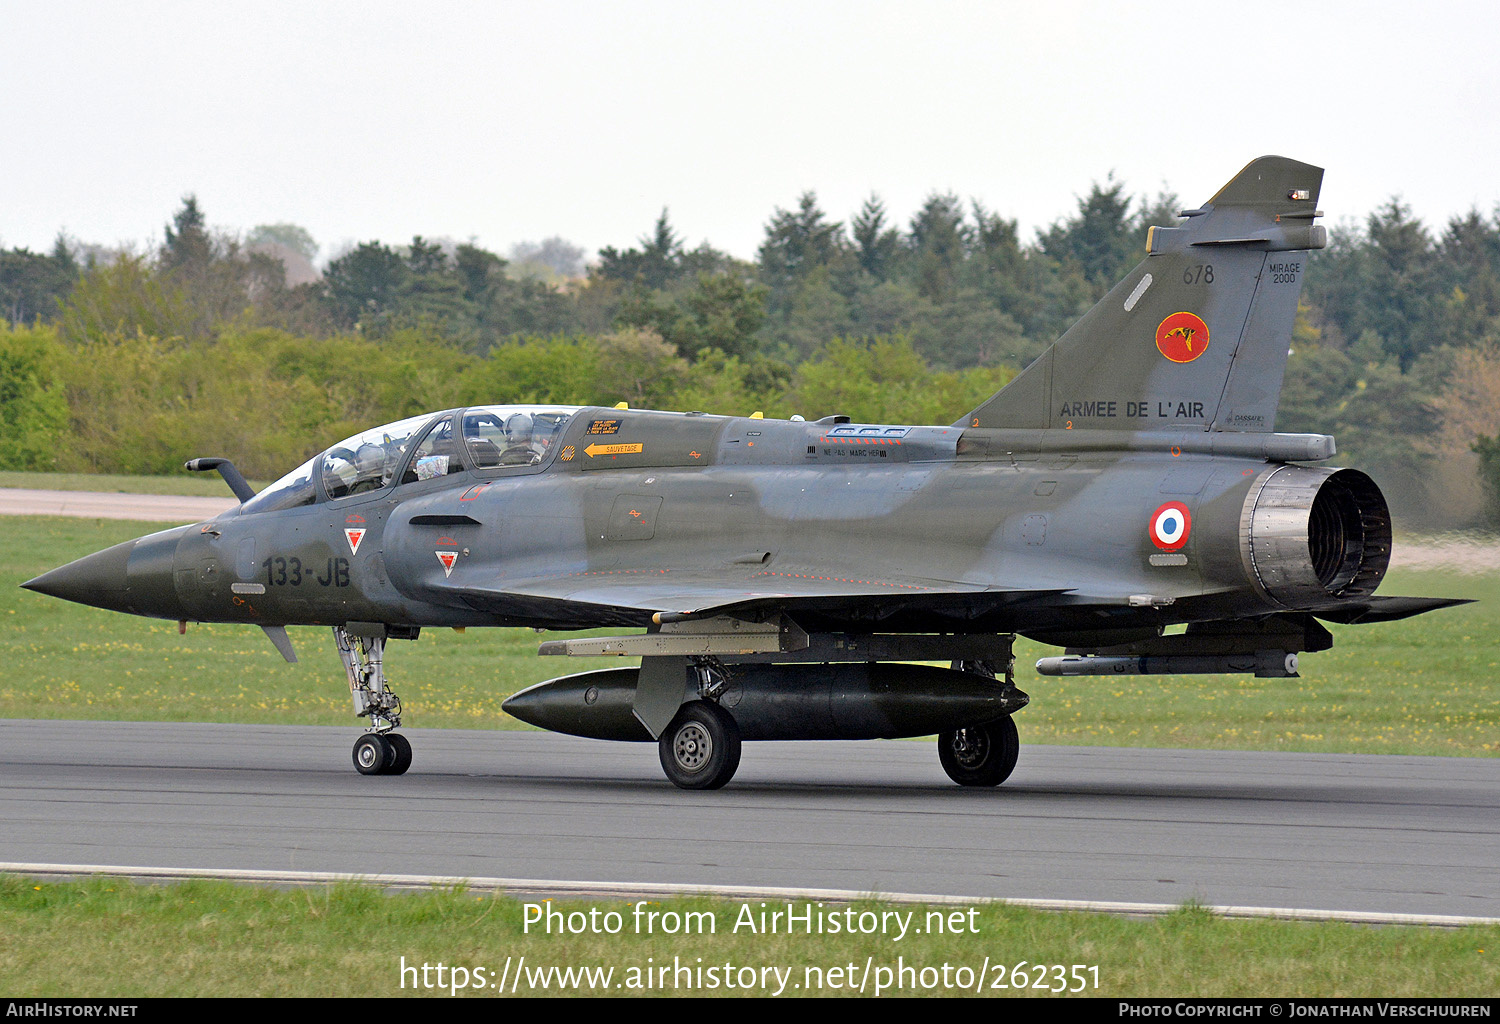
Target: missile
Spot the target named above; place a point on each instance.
(1262, 664)
(853, 701)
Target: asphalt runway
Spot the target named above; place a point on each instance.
(167, 508)
(1387, 834)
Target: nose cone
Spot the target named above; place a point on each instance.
(98, 579)
(134, 577)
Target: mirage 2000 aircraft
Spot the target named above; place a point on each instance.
(787, 574)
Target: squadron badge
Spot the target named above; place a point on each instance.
(1182, 337)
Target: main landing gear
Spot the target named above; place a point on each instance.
(983, 754)
(700, 749)
(381, 750)
(980, 755)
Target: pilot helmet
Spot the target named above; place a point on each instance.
(369, 461)
(518, 428)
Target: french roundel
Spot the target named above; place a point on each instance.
(1170, 526)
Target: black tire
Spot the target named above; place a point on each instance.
(980, 755)
(373, 754)
(401, 748)
(701, 748)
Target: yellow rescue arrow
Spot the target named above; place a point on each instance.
(613, 449)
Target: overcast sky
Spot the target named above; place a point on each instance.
(507, 121)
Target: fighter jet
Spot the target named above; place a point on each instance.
(790, 576)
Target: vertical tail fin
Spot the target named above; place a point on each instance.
(1195, 336)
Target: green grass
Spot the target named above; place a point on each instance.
(1428, 685)
(110, 937)
(210, 485)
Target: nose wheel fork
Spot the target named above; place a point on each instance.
(381, 750)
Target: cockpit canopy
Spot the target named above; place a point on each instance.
(368, 461)
(489, 437)
(513, 435)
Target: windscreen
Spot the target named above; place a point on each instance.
(296, 488)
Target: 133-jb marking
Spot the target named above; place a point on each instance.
(289, 572)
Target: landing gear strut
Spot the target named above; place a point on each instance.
(380, 751)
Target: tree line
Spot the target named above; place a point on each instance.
(131, 362)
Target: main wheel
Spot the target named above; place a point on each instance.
(401, 748)
(373, 754)
(980, 755)
(701, 748)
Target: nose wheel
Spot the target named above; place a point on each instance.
(372, 752)
(382, 754)
(402, 750)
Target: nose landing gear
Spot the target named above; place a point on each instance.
(381, 750)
